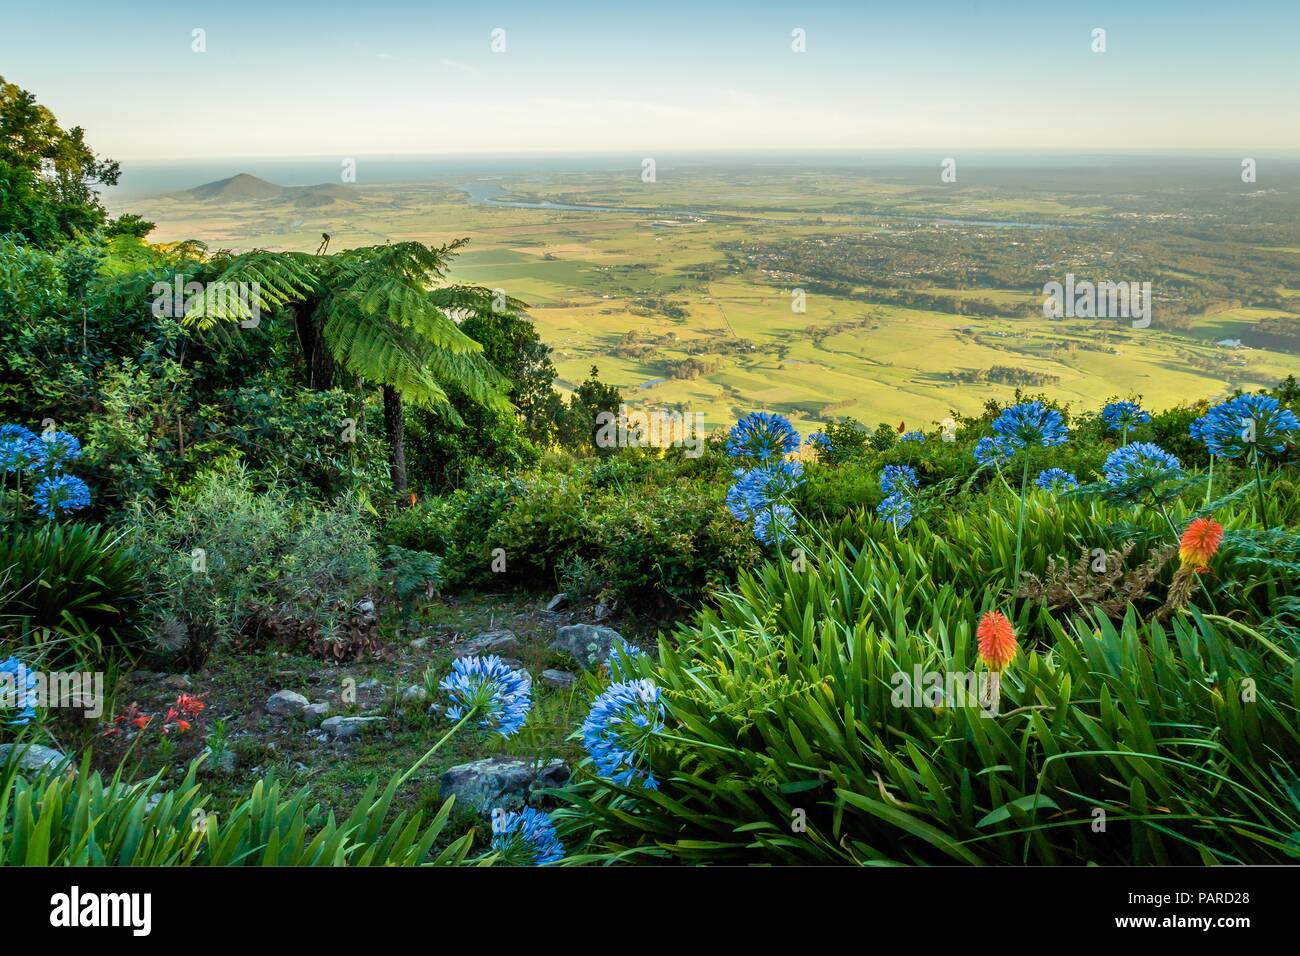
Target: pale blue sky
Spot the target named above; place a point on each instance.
(353, 78)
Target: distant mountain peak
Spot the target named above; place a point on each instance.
(245, 187)
(239, 186)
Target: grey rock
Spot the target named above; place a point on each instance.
(370, 683)
(315, 713)
(489, 642)
(558, 678)
(420, 643)
(32, 758)
(286, 703)
(560, 600)
(177, 682)
(365, 610)
(345, 728)
(505, 782)
(602, 612)
(588, 644)
(414, 694)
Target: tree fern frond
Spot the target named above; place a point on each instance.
(268, 280)
(381, 353)
(459, 302)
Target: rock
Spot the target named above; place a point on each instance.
(152, 801)
(420, 643)
(489, 642)
(505, 782)
(556, 678)
(560, 600)
(371, 683)
(587, 644)
(414, 694)
(365, 611)
(32, 757)
(345, 728)
(315, 713)
(286, 703)
(177, 682)
(602, 612)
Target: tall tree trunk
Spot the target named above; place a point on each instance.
(320, 364)
(394, 427)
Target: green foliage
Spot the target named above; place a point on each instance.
(649, 532)
(790, 742)
(414, 575)
(222, 555)
(74, 589)
(576, 423)
(80, 819)
(47, 173)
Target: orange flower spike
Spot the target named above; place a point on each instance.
(1199, 543)
(997, 640)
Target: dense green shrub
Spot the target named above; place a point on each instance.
(222, 553)
(650, 532)
(78, 585)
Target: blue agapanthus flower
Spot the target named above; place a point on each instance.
(55, 450)
(898, 479)
(1030, 423)
(1141, 464)
(618, 731)
(773, 524)
(1197, 428)
(763, 436)
(1055, 479)
(757, 489)
(525, 838)
(487, 684)
(912, 436)
(1119, 416)
(1233, 427)
(17, 693)
(896, 509)
(622, 660)
(16, 451)
(820, 441)
(60, 495)
(991, 450)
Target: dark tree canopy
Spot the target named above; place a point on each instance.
(48, 174)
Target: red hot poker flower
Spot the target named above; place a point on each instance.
(997, 640)
(1199, 543)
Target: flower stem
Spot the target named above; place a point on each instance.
(1259, 483)
(432, 750)
(1020, 524)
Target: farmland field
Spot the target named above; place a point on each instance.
(829, 292)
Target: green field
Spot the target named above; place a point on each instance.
(676, 277)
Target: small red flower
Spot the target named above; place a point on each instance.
(997, 640)
(142, 721)
(188, 705)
